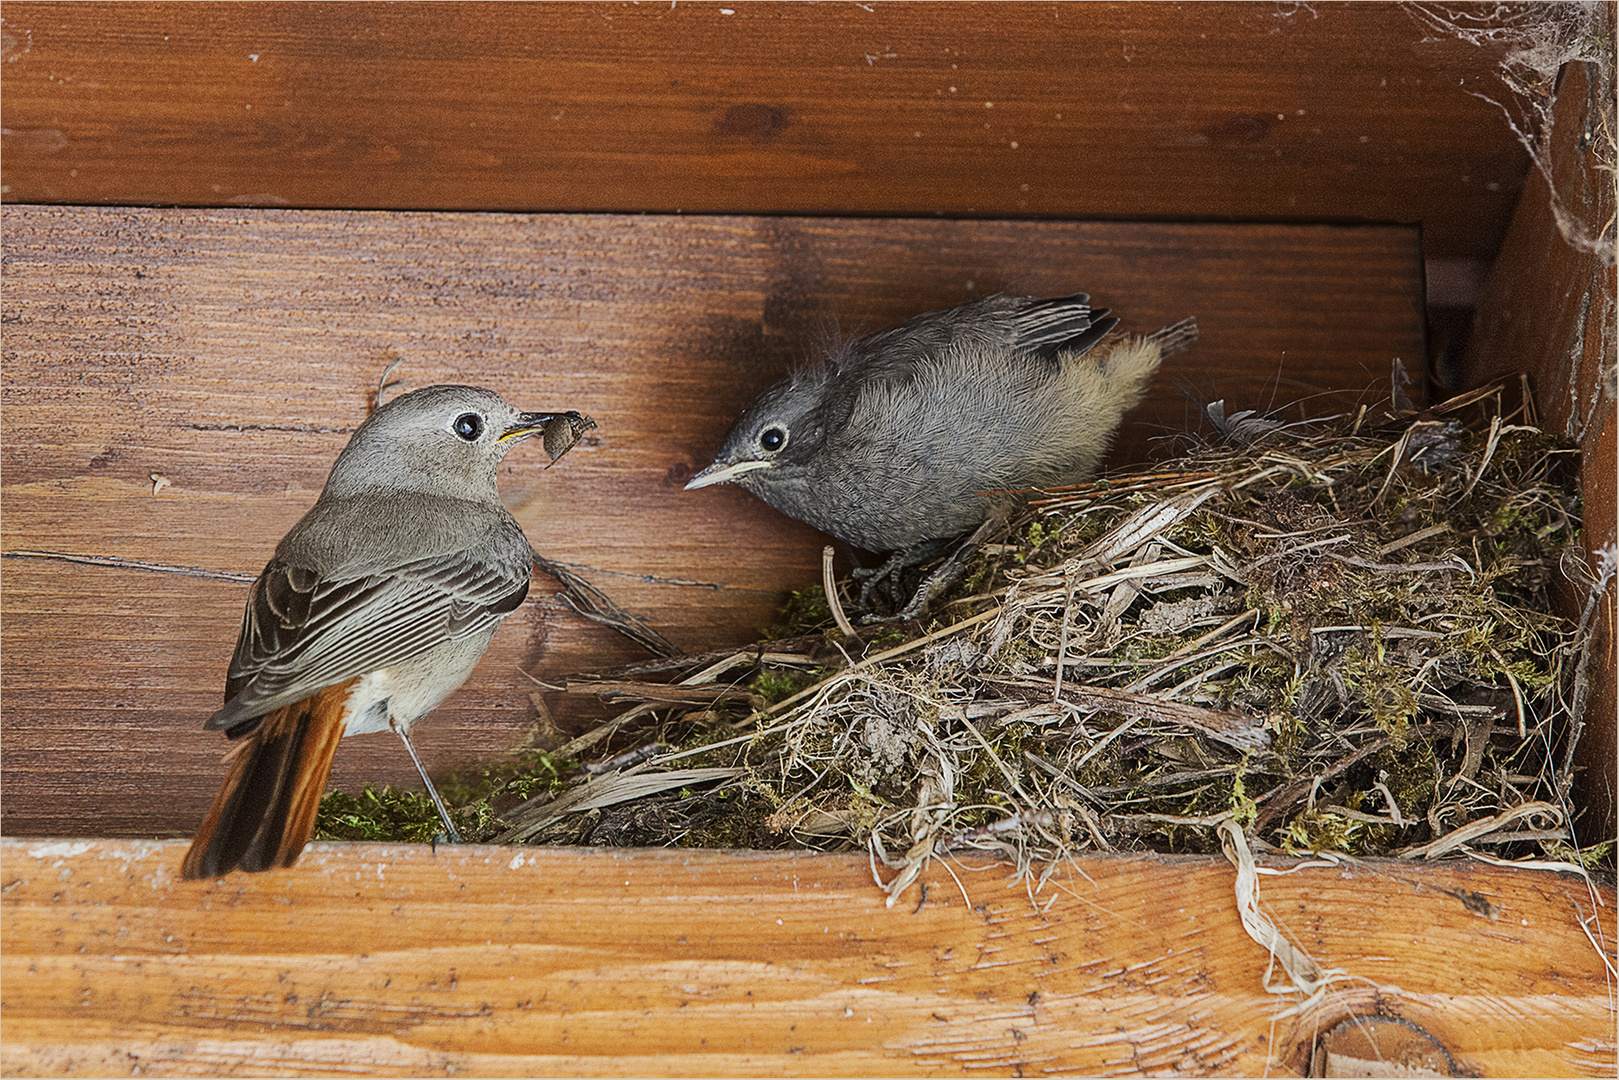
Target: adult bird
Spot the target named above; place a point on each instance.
(376, 605)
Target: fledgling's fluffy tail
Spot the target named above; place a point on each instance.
(1123, 368)
(265, 811)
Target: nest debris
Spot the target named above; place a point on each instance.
(1333, 638)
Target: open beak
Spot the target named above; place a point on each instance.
(558, 431)
(721, 474)
(527, 424)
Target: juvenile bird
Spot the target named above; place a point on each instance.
(911, 436)
(375, 607)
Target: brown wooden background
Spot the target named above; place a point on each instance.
(1303, 112)
(233, 352)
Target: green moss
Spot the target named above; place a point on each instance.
(473, 797)
(1314, 830)
(887, 638)
(1382, 689)
(805, 611)
(779, 684)
(729, 818)
(383, 814)
(1595, 857)
(519, 778)
(1017, 651)
(976, 581)
(1078, 531)
(1243, 807)
(1504, 517)
(1411, 773)
(1038, 535)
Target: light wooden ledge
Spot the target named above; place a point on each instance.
(394, 959)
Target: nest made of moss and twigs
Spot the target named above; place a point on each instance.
(1340, 638)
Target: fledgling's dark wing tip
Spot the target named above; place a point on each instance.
(1066, 324)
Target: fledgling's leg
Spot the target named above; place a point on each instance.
(946, 573)
(949, 572)
(889, 572)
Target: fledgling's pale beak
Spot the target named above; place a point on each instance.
(722, 474)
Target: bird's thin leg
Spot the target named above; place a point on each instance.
(947, 573)
(432, 792)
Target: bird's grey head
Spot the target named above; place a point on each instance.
(441, 440)
(775, 437)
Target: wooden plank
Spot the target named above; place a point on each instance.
(1549, 311)
(398, 960)
(232, 353)
(1325, 112)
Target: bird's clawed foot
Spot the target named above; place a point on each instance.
(934, 584)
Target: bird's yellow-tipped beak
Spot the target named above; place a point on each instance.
(721, 474)
(527, 424)
(559, 431)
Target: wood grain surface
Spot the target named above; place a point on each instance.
(231, 353)
(177, 382)
(1549, 309)
(398, 960)
(1349, 112)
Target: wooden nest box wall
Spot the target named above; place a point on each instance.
(222, 222)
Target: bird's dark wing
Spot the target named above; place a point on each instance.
(994, 324)
(896, 351)
(1064, 324)
(302, 631)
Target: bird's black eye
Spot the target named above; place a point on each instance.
(773, 439)
(469, 426)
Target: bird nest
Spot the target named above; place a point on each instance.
(1335, 638)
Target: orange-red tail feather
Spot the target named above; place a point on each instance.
(265, 811)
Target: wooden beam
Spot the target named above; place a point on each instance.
(1548, 311)
(231, 353)
(401, 960)
(1348, 112)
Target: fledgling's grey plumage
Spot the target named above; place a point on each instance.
(915, 433)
